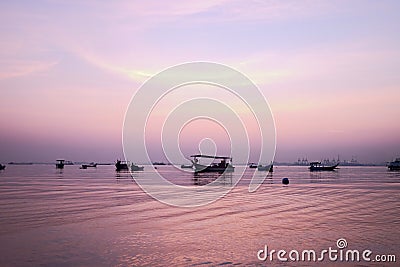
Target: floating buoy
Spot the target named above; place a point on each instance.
(285, 181)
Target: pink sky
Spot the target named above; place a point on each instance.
(329, 70)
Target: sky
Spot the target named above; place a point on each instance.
(328, 69)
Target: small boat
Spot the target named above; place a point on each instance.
(159, 163)
(253, 165)
(316, 166)
(183, 166)
(60, 164)
(269, 168)
(136, 168)
(224, 166)
(2, 167)
(394, 165)
(121, 166)
(91, 165)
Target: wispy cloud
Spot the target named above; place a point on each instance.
(113, 67)
(229, 10)
(16, 68)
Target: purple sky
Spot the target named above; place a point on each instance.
(329, 70)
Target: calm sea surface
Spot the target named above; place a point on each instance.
(96, 217)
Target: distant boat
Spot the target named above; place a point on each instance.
(159, 163)
(253, 165)
(2, 167)
(91, 165)
(60, 164)
(394, 165)
(136, 168)
(316, 166)
(224, 166)
(183, 166)
(121, 166)
(269, 168)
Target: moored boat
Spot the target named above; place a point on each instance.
(60, 164)
(253, 165)
(394, 165)
(136, 168)
(317, 166)
(121, 166)
(225, 165)
(91, 165)
(269, 168)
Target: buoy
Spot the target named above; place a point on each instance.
(285, 181)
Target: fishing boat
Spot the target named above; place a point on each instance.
(159, 163)
(121, 166)
(136, 168)
(2, 167)
(269, 168)
(317, 166)
(394, 165)
(225, 165)
(253, 165)
(91, 165)
(60, 164)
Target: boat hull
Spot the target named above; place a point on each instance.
(122, 167)
(394, 165)
(186, 166)
(394, 168)
(59, 166)
(203, 168)
(85, 166)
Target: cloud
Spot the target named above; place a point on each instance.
(112, 67)
(16, 68)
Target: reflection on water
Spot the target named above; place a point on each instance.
(97, 217)
(324, 176)
(216, 178)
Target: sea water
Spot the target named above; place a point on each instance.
(98, 217)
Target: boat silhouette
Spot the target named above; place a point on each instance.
(394, 165)
(224, 166)
(60, 164)
(317, 166)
